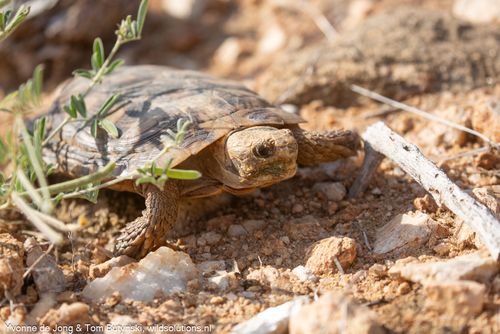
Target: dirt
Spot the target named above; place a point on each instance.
(454, 76)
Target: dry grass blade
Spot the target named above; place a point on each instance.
(420, 112)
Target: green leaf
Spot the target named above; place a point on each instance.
(94, 63)
(38, 81)
(93, 128)
(141, 16)
(82, 73)
(70, 111)
(109, 127)
(107, 105)
(79, 104)
(3, 151)
(145, 179)
(98, 52)
(91, 196)
(114, 65)
(183, 174)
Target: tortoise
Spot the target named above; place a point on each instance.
(238, 141)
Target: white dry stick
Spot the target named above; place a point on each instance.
(436, 182)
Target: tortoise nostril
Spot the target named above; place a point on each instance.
(264, 149)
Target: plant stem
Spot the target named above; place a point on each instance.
(96, 79)
(81, 181)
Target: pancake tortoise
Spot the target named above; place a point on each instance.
(238, 141)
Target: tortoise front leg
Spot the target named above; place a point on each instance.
(148, 231)
(316, 147)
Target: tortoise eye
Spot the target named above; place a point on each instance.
(264, 149)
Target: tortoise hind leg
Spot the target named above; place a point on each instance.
(316, 147)
(148, 231)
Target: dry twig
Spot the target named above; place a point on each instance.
(436, 182)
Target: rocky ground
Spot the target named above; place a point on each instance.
(299, 256)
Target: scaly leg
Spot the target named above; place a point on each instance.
(148, 231)
(316, 147)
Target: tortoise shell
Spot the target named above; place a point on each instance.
(153, 99)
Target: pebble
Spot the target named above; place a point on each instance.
(236, 231)
(211, 266)
(223, 281)
(186, 9)
(273, 320)
(328, 315)
(473, 267)
(404, 231)
(164, 270)
(68, 314)
(11, 265)
(455, 298)
(297, 208)
(46, 273)
(334, 191)
(253, 225)
(304, 274)
(320, 257)
(210, 238)
(425, 204)
(101, 269)
(477, 11)
(273, 39)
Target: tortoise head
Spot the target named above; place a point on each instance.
(257, 157)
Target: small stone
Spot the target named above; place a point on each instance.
(297, 208)
(320, 257)
(253, 225)
(123, 324)
(306, 227)
(186, 9)
(211, 237)
(163, 271)
(68, 314)
(455, 298)
(217, 300)
(211, 266)
(443, 248)
(267, 275)
(304, 274)
(228, 52)
(403, 232)
(334, 191)
(404, 288)
(11, 265)
(223, 281)
(378, 270)
(425, 204)
(328, 315)
(46, 273)
(101, 269)
(465, 267)
(272, 320)
(274, 38)
(236, 231)
(477, 11)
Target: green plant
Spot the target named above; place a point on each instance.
(26, 188)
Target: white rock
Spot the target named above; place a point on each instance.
(252, 225)
(123, 324)
(236, 231)
(223, 281)
(163, 271)
(274, 320)
(334, 191)
(334, 313)
(184, 9)
(211, 266)
(228, 52)
(274, 39)
(404, 231)
(477, 11)
(455, 298)
(304, 274)
(466, 267)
